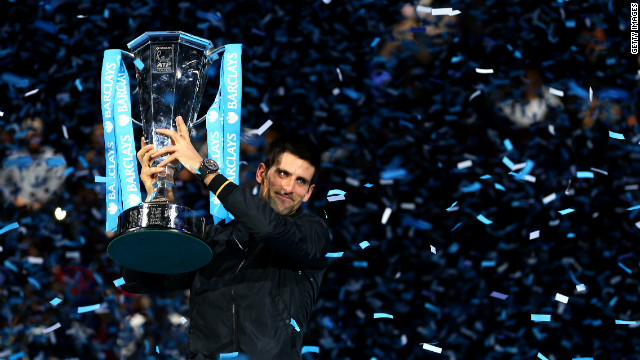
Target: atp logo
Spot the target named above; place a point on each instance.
(123, 120)
(232, 117)
(113, 208)
(133, 200)
(108, 126)
(212, 115)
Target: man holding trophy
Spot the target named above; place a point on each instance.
(255, 294)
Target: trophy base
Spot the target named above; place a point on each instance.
(160, 238)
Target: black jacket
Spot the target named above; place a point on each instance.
(266, 270)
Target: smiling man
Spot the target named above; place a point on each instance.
(256, 294)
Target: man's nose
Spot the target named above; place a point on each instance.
(288, 185)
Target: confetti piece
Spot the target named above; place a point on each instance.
(183, 320)
(310, 349)
(364, 244)
(582, 358)
(35, 260)
(84, 309)
(385, 215)
(375, 42)
(636, 207)
(486, 176)
(432, 348)
(9, 265)
(9, 227)
(476, 93)
(600, 171)
(424, 9)
(51, 328)
(335, 192)
(534, 234)
(444, 11)
(590, 95)
(540, 317)
(566, 211)
(139, 64)
(32, 92)
(361, 264)
(556, 92)
(542, 357)
(581, 287)
(487, 263)
(367, 185)
(259, 131)
(624, 267)
(335, 254)
(451, 207)
(233, 354)
(484, 71)
(455, 227)
(616, 135)
(498, 295)
(382, 315)
(157, 349)
(335, 198)
(295, 326)
(499, 187)
(433, 249)
(507, 162)
(561, 298)
(66, 134)
(549, 198)
(78, 84)
(55, 301)
(585, 175)
(465, 164)
(118, 282)
(1, 113)
(484, 220)
(625, 322)
(507, 144)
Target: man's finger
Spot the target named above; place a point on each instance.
(182, 128)
(169, 159)
(170, 133)
(146, 160)
(165, 150)
(142, 152)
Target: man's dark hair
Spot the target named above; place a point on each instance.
(298, 145)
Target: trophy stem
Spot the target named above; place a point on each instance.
(164, 186)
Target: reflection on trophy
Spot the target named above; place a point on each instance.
(161, 236)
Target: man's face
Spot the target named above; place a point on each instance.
(287, 184)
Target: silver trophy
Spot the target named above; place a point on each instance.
(161, 236)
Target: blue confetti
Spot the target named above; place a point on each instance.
(636, 207)
(139, 64)
(361, 264)
(229, 355)
(508, 145)
(540, 317)
(452, 205)
(16, 356)
(295, 326)
(455, 227)
(487, 263)
(367, 185)
(582, 358)
(55, 301)
(507, 162)
(542, 357)
(624, 267)
(56, 161)
(499, 187)
(83, 161)
(486, 176)
(9, 265)
(393, 174)
(9, 227)
(484, 219)
(79, 84)
(566, 211)
(625, 322)
(100, 179)
(382, 316)
(585, 174)
(118, 282)
(471, 188)
(336, 192)
(616, 135)
(364, 244)
(310, 349)
(335, 254)
(84, 309)
(157, 349)
(375, 42)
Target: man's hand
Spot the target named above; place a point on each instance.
(148, 174)
(181, 148)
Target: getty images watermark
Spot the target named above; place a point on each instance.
(634, 28)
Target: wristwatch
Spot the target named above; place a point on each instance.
(207, 166)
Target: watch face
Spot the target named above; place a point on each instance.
(211, 165)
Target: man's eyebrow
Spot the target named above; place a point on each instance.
(279, 169)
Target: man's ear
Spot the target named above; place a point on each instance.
(308, 195)
(261, 173)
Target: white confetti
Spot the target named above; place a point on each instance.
(433, 249)
(581, 287)
(549, 198)
(335, 198)
(183, 319)
(386, 181)
(484, 71)
(562, 298)
(590, 94)
(476, 93)
(444, 11)
(552, 129)
(1, 113)
(534, 235)
(72, 255)
(637, 225)
(385, 215)
(351, 181)
(530, 178)
(64, 132)
(465, 164)
(339, 74)
(261, 129)
(556, 92)
(432, 348)
(326, 1)
(51, 328)
(407, 206)
(631, 187)
(518, 166)
(335, 91)
(35, 260)
(32, 92)
(424, 9)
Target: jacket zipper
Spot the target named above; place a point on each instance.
(234, 313)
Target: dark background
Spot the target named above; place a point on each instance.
(406, 103)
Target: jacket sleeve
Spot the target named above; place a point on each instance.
(138, 282)
(303, 238)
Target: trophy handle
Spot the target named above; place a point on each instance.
(212, 55)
